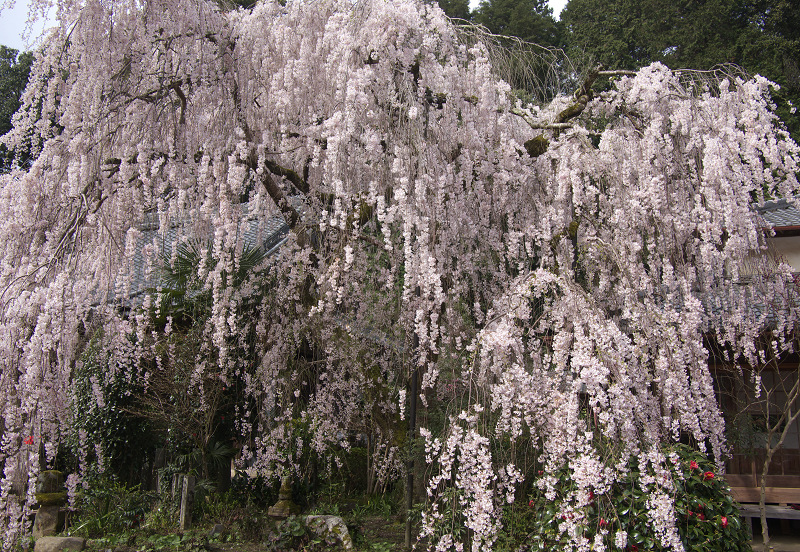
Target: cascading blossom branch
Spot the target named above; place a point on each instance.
(580, 276)
(598, 355)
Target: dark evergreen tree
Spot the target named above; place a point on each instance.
(761, 36)
(772, 48)
(14, 70)
(629, 33)
(530, 20)
(458, 9)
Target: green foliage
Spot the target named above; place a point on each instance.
(261, 491)
(177, 542)
(14, 70)
(455, 8)
(703, 500)
(107, 506)
(184, 295)
(292, 534)
(530, 20)
(163, 518)
(382, 546)
(235, 509)
(377, 505)
(707, 516)
(101, 403)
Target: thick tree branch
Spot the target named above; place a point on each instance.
(288, 174)
(536, 124)
(290, 214)
(537, 145)
(582, 97)
(177, 88)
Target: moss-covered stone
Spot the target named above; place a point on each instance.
(51, 499)
(332, 529)
(537, 146)
(50, 481)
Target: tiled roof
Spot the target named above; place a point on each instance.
(780, 213)
(267, 234)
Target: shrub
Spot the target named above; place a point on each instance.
(706, 516)
(102, 399)
(108, 506)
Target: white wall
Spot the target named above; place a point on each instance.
(789, 249)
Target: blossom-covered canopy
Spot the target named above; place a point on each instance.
(533, 260)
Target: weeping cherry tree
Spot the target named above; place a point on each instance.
(564, 261)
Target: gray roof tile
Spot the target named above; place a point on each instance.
(780, 213)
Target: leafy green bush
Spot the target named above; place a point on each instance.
(102, 400)
(260, 490)
(108, 506)
(292, 534)
(707, 517)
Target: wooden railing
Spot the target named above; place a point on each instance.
(780, 489)
(780, 493)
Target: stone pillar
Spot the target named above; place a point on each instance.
(284, 507)
(175, 490)
(159, 462)
(51, 496)
(187, 499)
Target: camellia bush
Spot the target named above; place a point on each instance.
(617, 517)
(539, 264)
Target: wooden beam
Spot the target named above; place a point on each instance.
(774, 495)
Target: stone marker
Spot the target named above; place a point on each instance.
(159, 462)
(331, 528)
(284, 507)
(187, 498)
(48, 521)
(216, 531)
(59, 544)
(51, 496)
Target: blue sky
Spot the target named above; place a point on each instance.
(12, 23)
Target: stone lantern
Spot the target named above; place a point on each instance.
(284, 507)
(51, 497)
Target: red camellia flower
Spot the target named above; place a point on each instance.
(708, 475)
(591, 495)
(603, 522)
(724, 521)
(29, 440)
(693, 465)
(530, 503)
(701, 516)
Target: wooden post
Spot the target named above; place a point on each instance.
(187, 498)
(175, 491)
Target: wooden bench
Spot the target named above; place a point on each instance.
(781, 491)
